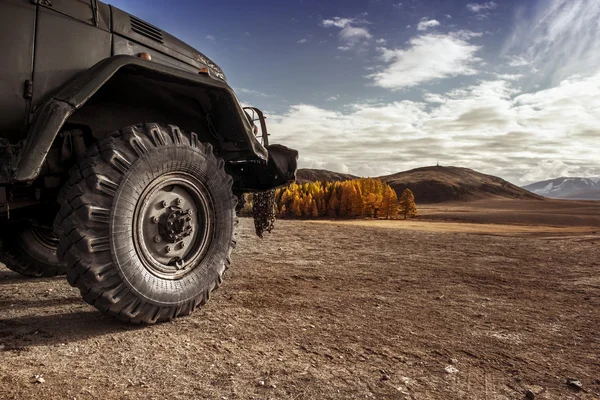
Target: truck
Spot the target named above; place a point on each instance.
(123, 153)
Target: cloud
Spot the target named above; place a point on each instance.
(479, 7)
(338, 22)
(428, 57)
(333, 98)
(302, 41)
(516, 61)
(481, 10)
(490, 126)
(353, 30)
(211, 38)
(448, 16)
(252, 92)
(559, 38)
(381, 41)
(509, 77)
(425, 24)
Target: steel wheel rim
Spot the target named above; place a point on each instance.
(166, 210)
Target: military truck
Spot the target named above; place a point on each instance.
(122, 153)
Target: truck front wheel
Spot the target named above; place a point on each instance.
(147, 225)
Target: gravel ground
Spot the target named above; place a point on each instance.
(331, 311)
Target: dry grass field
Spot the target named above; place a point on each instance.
(421, 309)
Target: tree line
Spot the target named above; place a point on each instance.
(356, 198)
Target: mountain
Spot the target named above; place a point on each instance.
(311, 175)
(441, 184)
(436, 184)
(567, 188)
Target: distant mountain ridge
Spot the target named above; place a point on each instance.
(437, 184)
(441, 184)
(312, 175)
(572, 188)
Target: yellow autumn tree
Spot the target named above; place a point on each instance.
(389, 203)
(355, 198)
(406, 205)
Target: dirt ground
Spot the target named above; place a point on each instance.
(333, 311)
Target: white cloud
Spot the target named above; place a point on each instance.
(516, 61)
(448, 16)
(211, 38)
(560, 39)
(353, 31)
(381, 41)
(429, 57)
(509, 77)
(352, 34)
(252, 92)
(490, 126)
(479, 7)
(302, 41)
(425, 24)
(333, 98)
(338, 22)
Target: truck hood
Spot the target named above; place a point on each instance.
(138, 30)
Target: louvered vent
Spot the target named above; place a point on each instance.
(145, 29)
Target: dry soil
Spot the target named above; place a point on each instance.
(333, 311)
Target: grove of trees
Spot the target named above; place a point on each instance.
(357, 198)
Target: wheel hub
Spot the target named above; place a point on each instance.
(173, 225)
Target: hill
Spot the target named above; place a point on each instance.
(312, 175)
(436, 184)
(441, 184)
(572, 188)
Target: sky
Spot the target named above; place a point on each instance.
(506, 87)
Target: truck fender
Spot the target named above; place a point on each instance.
(51, 116)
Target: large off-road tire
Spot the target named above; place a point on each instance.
(31, 251)
(147, 224)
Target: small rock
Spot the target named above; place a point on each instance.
(273, 386)
(261, 383)
(454, 361)
(450, 369)
(574, 383)
(385, 377)
(529, 394)
(38, 379)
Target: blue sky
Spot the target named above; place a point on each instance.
(510, 88)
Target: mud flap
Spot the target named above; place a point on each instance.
(283, 163)
(278, 171)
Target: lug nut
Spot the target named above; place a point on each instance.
(164, 204)
(169, 249)
(182, 245)
(171, 232)
(157, 238)
(155, 220)
(178, 201)
(190, 212)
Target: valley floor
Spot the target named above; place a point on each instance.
(332, 311)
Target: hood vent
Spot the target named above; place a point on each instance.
(145, 29)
